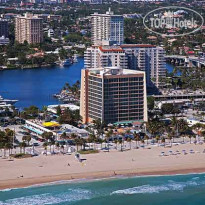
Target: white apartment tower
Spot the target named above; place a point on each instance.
(28, 28)
(105, 56)
(142, 57)
(148, 58)
(107, 27)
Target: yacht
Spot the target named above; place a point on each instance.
(7, 101)
(75, 58)
(66, 62)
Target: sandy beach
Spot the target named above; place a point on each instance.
(45, 169)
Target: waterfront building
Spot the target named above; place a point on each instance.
(113, 95)
(4, 30)
(28, 28)
(148, 58)
(50, 33)
(8, 16)
(49, 17)
(95, 1)
(105, 56)
(107, 27)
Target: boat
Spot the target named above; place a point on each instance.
(4, 105)
(7, 101)
(66, 62)
(75, 58)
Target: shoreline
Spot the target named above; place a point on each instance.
(69, 178)
(31, 67)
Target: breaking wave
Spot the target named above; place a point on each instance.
(170, 186)
(70, 196)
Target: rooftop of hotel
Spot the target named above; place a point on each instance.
(106, 71)
(113, 48)
(108, 13)
(28, 16)
(137, 45)
(120, 48)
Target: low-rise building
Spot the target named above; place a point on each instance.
(53, 108)
(4, 40)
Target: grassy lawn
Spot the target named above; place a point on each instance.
(21, 156)
(88, 151)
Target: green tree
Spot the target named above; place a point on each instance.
(150, 102)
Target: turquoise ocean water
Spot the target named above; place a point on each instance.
(158, 190)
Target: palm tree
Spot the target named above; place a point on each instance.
(57, 145)
(9, 134)
(142, 141)
(62, 147)
(26, 138)
(174, 123)
(163, 140)
(116, 143)
(137, 138)
(83, 143)
(23, 145)
(203, 134)
(120, 142)
(99, 126)
(64, 136)
(108, 135)
(147, 138)
(155, 126)
(130, 142)
(128, 131)
(157, 138)
(190, 135)
(3, 141)
(77, 142)
(53, 143)
(89, 140)
(170, 138)
(101, 142)
(92, 139)
(45, 144)
(9, 146)
(197, 127)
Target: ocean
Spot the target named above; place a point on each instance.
(149, 190)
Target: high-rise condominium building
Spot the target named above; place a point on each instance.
(113, 95)
(4, 31)
(148, 58)
(142, 57)
(105, 56)
(107, 27)
(28, 28)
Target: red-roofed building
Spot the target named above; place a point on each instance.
(144, 57)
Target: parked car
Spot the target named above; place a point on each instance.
(35, 144)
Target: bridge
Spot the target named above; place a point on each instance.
(187, 61)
